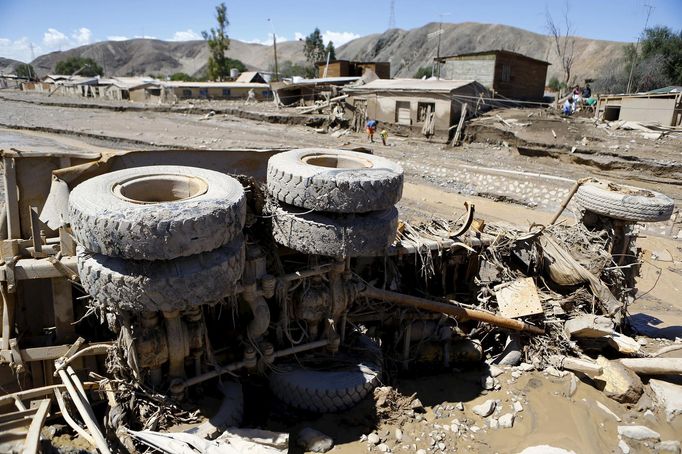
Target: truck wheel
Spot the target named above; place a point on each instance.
(349, 377)
(622, 202)
(336, 181)
(157, 212)
(363, 234)
(162, 285)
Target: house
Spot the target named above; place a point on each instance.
(408, 102)
(307, 91)
(507, 74)
(215, 90)
(662, 106)
(347, 68)
(251, 77)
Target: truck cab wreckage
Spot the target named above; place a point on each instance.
(131, 289)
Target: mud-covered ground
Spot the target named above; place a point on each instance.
(438, 181)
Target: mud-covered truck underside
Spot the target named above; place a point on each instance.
(136, 283)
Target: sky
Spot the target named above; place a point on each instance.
(29, 28)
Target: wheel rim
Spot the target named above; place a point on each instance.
(336, 161)
(161, 188)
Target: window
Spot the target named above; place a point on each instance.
(267, 93)
(226, 92)
(424, 108)
(186, 92)
(506, 73)
(203, 93)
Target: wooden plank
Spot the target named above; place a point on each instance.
(17, 415)
(7, 315)
(462, 117)
(35, 233)
(11, 198)
(62, 303)
(33, 437)
(36, 373)
(66, 243)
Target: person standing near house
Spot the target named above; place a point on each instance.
(371, 128)
(384, 136)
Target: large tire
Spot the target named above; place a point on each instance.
(162, 285)
(350, 376)
(363, 234)
(112, 214)
(622, 202)
(337, 181)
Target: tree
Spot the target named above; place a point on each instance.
(424, 71)
(218, 44)
(666, 45)
(314, 47)
(82, 65)
(180, 76)
(330, 51)
(555, 85)
(25, 71)
(564, 43)
(290, 69)
(238, 64)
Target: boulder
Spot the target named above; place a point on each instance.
(315, 441)
(669, 446)
(639, 433)
(485, 409)
(669, 397)
(618, 382)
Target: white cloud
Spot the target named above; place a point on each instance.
(117, 38)
(338, 38)
(19, 49)
(267, 41)
(82, 36)
(186, 35)
(54, 39)
(299, 36)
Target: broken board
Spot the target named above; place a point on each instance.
(519, 298)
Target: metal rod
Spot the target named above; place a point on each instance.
(564, 204)
(449, 309)
(69, 420)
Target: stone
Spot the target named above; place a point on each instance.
(516, 374)
(373, 438)
(554, 372)
(618, 382)
(518, 408)
(417, 406)
(608, 411)
(383, 447)
(589, 326)
(488, 382)
(313, 440)
(668, 446)
(460, 406)
(525, 367)
(669, 397)
(441, 446)
(398, 435)
(485, 409)
(638, 433)
(495, 371)
(624, 448)
(421, 451)
(572, 385)
(545, 449)
(474, 428)
(493, 423)
(506, 421)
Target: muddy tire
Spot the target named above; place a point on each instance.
(363, 234)
(157, 212)
(162, 285)
(337, 181)
(622, 202)
(348, 378)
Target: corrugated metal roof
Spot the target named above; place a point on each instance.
(433, 85)
(490, 52)
(179, 84)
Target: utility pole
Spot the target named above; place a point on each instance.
(440, 32)
(634, 57)
(30, 71)
(391, 15)
(274, 46)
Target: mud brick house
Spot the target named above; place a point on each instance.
(508, 74)
(347, 68)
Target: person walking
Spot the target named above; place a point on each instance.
(371, 128)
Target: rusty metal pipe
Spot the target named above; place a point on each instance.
(449, 309)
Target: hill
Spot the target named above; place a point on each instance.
(7, 65)
(407, 50)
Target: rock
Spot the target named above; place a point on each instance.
(441, 446)
(398, 435)
(495, 371)
(315, 441)
(518, 408)
(506, 421)
(669, 397)
(618, 382)
(421, 451)
(608, 411)
(669, 446)
(516, 374)
(373, 438)
(554, 372)
(493, 423)
(383, 447)
(525, 367)
(623, 343)
(624, 448)
(639, 433)
(488, 382)
(474, 428)
(589, 325)
(459, 406)
(417, 406)
(485, 409)
(545, 449)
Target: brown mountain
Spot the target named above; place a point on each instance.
(7, 65)
(407, 50)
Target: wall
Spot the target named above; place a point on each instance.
(383, 108)
(526, 81)
(648, 109)
(336, 69)
(481, 69)
(217, 93)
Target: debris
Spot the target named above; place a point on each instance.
(624, 447)
(668, 446)
(507, 421)
(518, 298)
(518, 408)
(398, 435)
(638, 433)
(572, 385)
(545, 449)
(653, 366)
(618, 382)
(485, 409)
(669, 396)
(313, 440)
(383, 447)
(460, 406)
(589, 325)
(373, 439)
(495, 371)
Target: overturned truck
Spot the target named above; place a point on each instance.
(136, 283)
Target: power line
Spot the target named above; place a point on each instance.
(634, 58)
